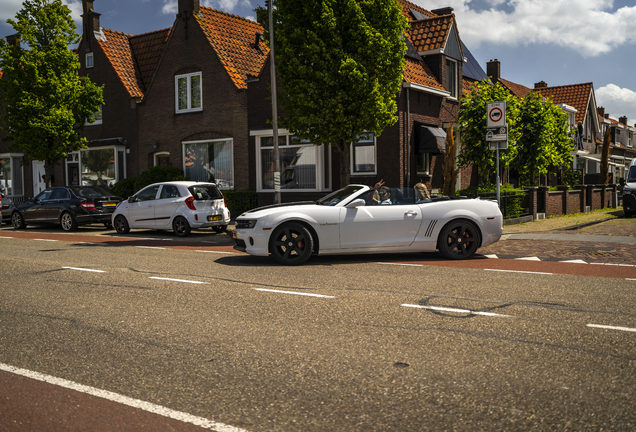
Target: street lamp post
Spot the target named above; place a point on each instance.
(277, 197)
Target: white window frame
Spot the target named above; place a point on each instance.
(216, 140)
(155, 156)
(283, 135)
(77, 156)
(375, 159)
(453, 95)
(89, 60)
(189, 109)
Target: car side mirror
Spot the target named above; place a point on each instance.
(356, 203)
(132, 199)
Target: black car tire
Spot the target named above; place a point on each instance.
(121, 225)
(459, 239)
(68, 222)
(17, 220)
(181, 226)
(291, 244)
(219, 228)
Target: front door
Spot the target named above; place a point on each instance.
(39, 182)
(141, 213)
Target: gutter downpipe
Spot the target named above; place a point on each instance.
(408, 139)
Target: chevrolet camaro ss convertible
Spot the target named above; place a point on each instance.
(350, 221)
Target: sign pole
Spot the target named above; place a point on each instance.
(497, 133)
(498, 196)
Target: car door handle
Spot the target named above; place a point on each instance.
(410, 213)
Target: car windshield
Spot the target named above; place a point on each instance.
(205, 192)
(335, 197)
(632, 174)
(90, 191)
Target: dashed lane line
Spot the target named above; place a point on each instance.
(150, 247)
(464, 311)
(606, 327)
(180, 280)
(517, 271)
(124, 400)
(84, 269)
(293, 292)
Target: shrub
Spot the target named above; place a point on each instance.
(124, 188)
(158, 174)
(240, 201)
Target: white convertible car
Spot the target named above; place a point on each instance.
(347, 222)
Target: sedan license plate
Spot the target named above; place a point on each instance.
(214, 218)
(109, 204)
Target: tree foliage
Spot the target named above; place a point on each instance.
(472, 126)
(45, 101)
(340, 63)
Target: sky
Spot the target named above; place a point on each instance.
(557, 41)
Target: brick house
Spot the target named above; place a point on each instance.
(621, 144)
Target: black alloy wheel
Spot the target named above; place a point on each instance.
(181, 227)
(68, 222)
(17, 220)
(291, 244)
(459, 240)
(121, 225)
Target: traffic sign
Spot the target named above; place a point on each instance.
(498, 145)
(496, 114)
(497, 133)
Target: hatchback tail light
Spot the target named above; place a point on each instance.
(89, 205)
(190, 203)
(224, 202)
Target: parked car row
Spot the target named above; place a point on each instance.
(180, 206)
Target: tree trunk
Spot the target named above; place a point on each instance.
(345, 168)
(48, 173)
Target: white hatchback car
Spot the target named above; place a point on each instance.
(179, 205)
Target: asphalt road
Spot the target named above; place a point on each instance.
(344, 343)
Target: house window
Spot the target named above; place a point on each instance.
(210, 161)
(97, 117)
(304, 166)
(188, 93)
(451, 77)
(98, 167)
(363, 156)
(423, 163)
(89, 60)
(11, 175)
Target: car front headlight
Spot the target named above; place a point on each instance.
(246, 223)
(627, 191)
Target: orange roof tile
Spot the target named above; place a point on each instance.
(116, 47)
(232, 37)
(468, 85)
(407, 5)
(417, 72)
(147, 49)
(431, 33)
(516, 89)
(575, 95)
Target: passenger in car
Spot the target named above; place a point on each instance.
(421, 193)
(385, 196)
(373, 198)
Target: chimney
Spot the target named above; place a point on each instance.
(493, 70)
(443, 11)
(606, 116)
(14, 40)
(623, 120)
(601, 111)
(189, 6)
(90, 18)
(540, 84)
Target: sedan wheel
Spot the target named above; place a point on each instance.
(68, 222)
(291, 244)
(459, 240)
(17, 221)
(121, 225)
(181, 227)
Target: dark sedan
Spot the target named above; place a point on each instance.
(66, 206)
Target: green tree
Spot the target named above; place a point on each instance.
(472, 126)
(545, 139)
(45, 101)
(340, 63)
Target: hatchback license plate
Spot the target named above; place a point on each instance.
(214, 218)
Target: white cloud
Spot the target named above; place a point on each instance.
(587, 26)
(9, 9)
(171, 6)
(617, 101)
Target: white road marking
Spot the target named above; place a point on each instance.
(217, 252)
(576, 261)
(1, 237)
(612, 327)
(631, 279)
(517, 271)
(493, 256)
(615, 264)
(45, 240)
(180, 280)
(534, 258)
(446, 309)
(400, 264)
(124, 400)
(293, 292)
(84, 269)
(149, 247)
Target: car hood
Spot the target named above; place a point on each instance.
(279, 206)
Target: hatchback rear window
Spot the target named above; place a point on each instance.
(205, 192)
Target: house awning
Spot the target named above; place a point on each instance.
(429, 139)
